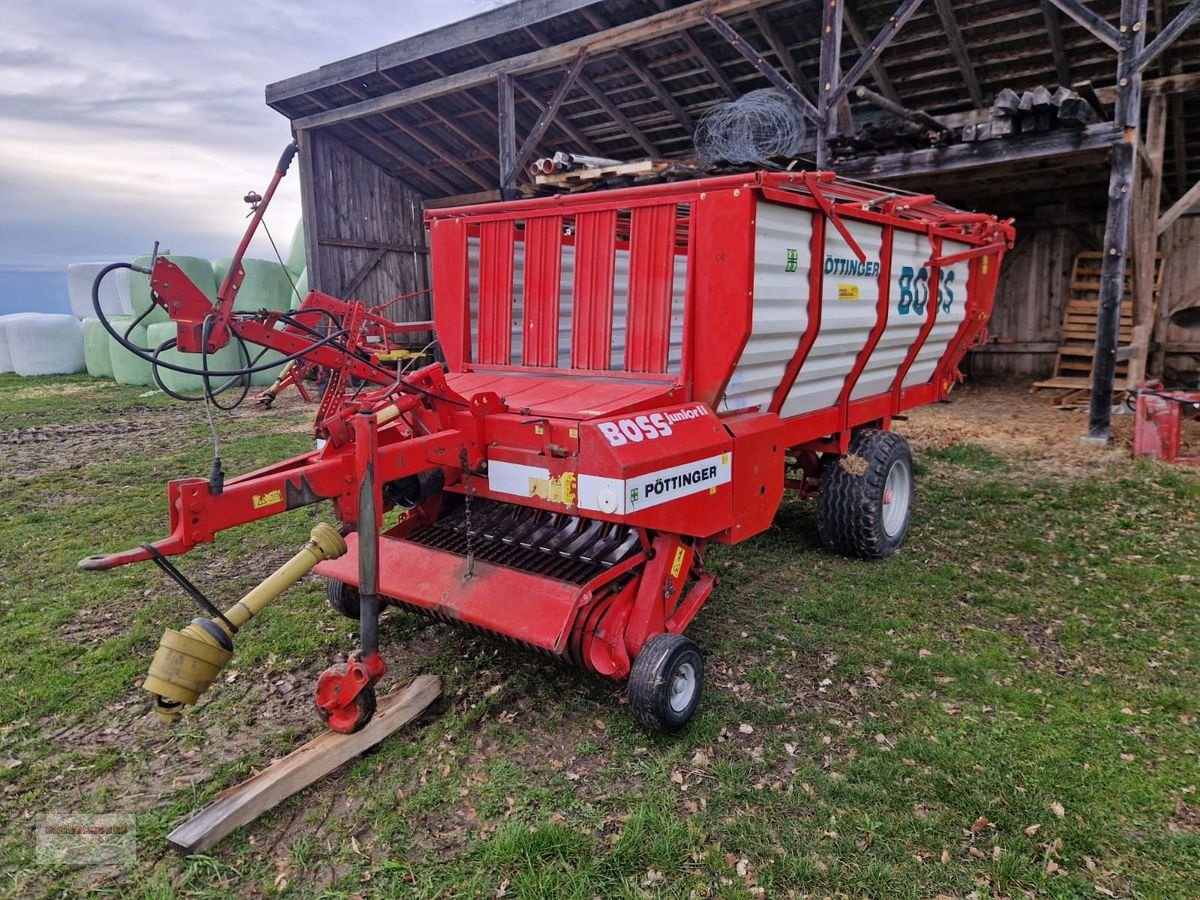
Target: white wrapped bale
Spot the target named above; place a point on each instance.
(198, 270)
(128, 368)
(6, 362)
(296, 261)
(96, 353)
(267, 285)
(228, 357)
(45, 344)
(114, 290)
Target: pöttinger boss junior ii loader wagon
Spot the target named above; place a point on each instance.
(630, 376)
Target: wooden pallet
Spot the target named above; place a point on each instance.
(1077, 342)
(639, 169)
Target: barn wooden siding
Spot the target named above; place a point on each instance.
(365, 230)
(1034, 283)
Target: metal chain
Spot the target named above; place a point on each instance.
(467, 492)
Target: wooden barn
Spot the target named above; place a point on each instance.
(1078, 120)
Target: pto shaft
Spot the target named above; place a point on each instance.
(188, 661)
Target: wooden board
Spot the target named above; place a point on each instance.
(245, 802)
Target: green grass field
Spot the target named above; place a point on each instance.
(1007, 707)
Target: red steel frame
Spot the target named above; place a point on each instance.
(624, 446)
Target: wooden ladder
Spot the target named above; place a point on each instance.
(1077, 343)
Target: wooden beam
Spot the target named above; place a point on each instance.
(1168, 35)
(1144, 242)
(698, 55)
(919, 116)
(1093, 23)
(641, 68)
(1178, 208)
(370, 245)
(509, 176)
(958, 157)
(767, 71)
(506, 117)
(1062, 68)
(562, 123)
(870, 56)
(308, 210)
(419, 169)
(245, 802)
(780, 51)
(958, 50)
(480, 26)
(1117, 221)
(886, 88)
(669, 22)
(830, 63)
(614, 113)
(462, 200)
(360, 276)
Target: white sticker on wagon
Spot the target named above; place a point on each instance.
(676, 482)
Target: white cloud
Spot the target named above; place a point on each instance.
(130, 121)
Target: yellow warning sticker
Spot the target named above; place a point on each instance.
(847, 291)
(677, 565)
(270, 498)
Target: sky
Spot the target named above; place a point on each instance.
(130, 121)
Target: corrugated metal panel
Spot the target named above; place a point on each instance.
(909, 252)
(780, 312)
(951, 310)
(848, 313)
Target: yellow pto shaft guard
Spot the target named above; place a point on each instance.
(188, 661)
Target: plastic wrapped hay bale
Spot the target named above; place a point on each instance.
(127, 368)
(198, 270)
(301, 289)
(6, 362)
(228, 357)
(297, 261)
(96, 354)
(44, 344)
(267, 285)
(114, 290)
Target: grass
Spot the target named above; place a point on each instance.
(1006, 707)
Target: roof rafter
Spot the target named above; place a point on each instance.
(954, 35)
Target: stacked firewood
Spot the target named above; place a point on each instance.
(1036, 111)
(891, 135)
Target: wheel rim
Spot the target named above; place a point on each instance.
(897, 494)
(683, 687)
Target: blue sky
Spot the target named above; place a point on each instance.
(131, 121)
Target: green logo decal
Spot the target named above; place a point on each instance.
(793, 260)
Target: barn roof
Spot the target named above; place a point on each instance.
(426, 108)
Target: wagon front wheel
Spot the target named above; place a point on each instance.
(865, 502)
(665, 682)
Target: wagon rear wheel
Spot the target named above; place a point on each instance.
(866, 498)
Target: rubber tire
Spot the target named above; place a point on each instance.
(850, 507)
(651, 677)
(343, 598)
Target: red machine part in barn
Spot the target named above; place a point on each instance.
(630, 376)
(1158, 422)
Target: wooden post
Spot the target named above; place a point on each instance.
(1145, 238)
(507, 115)
(308, 208)
(831, 52)
(1116, 224)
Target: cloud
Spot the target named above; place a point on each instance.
(130, 121)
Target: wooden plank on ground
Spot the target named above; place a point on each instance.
(243, 803)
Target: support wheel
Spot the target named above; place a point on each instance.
(866, 498)
(343, 598)
(665, 683)
(354, 717)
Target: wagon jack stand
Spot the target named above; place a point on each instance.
(346, 692)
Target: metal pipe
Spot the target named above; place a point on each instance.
(368, 535)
